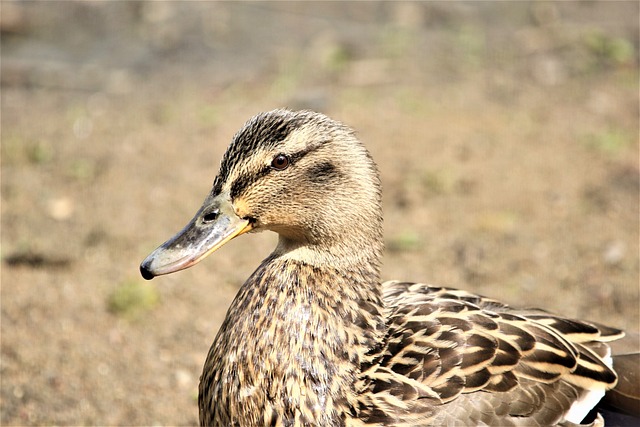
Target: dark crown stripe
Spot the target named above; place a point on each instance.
(265, 130)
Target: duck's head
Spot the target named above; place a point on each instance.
(300, 174)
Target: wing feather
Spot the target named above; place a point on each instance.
(443, 346)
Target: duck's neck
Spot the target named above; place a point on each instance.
(293, 343)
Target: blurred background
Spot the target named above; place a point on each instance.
(506, 134)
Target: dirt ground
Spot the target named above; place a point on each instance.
(506, 134)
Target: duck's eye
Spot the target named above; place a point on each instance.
(280, 162)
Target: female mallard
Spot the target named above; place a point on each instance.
(314, 338)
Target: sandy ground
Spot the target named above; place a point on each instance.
(508, 149)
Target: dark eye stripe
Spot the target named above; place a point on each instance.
(323, 173)
(300, 154)
(245, 180)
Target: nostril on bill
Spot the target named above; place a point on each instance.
(211, 216)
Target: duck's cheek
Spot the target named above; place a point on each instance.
(262, 218)
(272, 217)
(242, 208)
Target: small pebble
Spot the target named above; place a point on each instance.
(183, 378)
(614, 252)
(61, 208)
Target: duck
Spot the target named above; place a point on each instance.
(315, 338)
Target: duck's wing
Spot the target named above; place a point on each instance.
(454, 358)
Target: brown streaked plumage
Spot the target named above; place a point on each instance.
(314, 338)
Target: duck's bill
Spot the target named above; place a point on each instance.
(214, 225)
